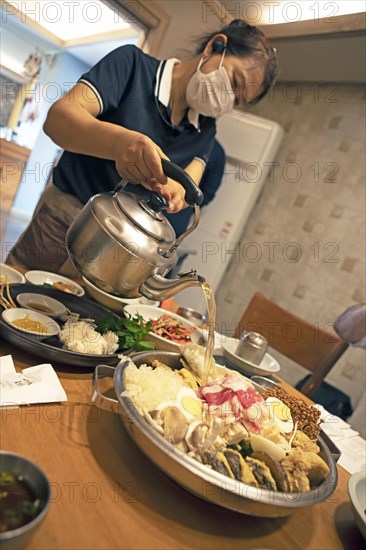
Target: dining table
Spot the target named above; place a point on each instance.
(107, 494)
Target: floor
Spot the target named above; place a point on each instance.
(12, 225)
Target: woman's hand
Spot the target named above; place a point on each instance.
(172, 191)
(138, 159)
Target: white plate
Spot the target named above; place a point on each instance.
(163, 344)
(114, 302)
(12, 275)
(357, 494)
(12, 314)
(36, 302)
(268, 364)
(47, 278)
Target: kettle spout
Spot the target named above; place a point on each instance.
(159, 288)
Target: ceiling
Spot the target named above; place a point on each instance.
(89, 48)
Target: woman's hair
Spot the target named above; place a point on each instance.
(245, 40)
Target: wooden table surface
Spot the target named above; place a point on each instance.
(106, 493)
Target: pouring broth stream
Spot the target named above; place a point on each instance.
(211, 314)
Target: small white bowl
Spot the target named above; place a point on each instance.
(357, 494)
(268, 365)
(15, 313)
(42, 304)
(163, 344)
(11, 275)
(47, 278)
(114, 303)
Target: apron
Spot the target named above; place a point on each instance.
(42, 244)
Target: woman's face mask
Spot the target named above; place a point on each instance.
(210, 94)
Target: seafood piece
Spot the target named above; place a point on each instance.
(310, 463)
(156, 363)
(302, 442)
(261, 473)
(240, 468)
(234, 433)
(188, 378)
(298, 480)
(219, 462)
(271, 431)
(276, 469)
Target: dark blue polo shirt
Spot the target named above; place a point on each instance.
(124, 82)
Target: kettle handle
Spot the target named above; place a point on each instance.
(194, 194)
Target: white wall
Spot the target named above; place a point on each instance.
(18, 41)
(61, 77)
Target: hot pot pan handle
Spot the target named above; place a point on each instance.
(194, 194)
(99, 372)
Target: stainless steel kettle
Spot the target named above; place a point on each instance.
(125, 245)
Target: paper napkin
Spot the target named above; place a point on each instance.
(348, 441)
(38, 384)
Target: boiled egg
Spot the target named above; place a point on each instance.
(280, 414)
(187, 402)
(191, 404)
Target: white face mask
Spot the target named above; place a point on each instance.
(210, 94)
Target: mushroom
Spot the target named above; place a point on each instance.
(174, 423)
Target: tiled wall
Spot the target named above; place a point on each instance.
(307, 231)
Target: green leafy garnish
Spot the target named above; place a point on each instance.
(131, 331)
(243, 448)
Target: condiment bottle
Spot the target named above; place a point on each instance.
(252, 347)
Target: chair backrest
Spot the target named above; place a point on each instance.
(310, 346)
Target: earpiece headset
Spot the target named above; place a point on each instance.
(218, 45)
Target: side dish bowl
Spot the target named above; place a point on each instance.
(42, 304)
(114, 303)
(37, 481)
(10, 275)
(164, 344)
(268, 365)
(357, 495)
(45, 326)
(51, 279)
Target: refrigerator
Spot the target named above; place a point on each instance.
(251, 144)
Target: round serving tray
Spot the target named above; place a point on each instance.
(50, 348)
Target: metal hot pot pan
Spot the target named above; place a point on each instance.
(197, 478)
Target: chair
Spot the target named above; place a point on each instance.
(312, 347)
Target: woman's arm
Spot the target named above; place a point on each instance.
(72, 124)
(195, 169)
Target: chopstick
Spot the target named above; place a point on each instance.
(7, 302)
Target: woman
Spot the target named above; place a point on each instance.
(129, 111)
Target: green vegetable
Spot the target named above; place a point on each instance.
(243, 448)
(131, 331)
